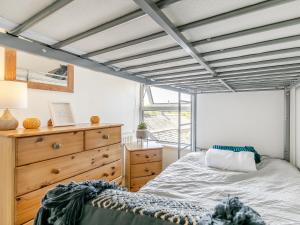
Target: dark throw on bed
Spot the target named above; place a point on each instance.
(104, 203)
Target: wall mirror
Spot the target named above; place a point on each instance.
(38, 71)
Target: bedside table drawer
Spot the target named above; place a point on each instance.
(137, 157)
(137, 183)
(146, 169)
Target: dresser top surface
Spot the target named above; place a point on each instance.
(138, 146)
(20, 132)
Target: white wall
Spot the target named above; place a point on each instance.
(295, 126)
(248, 118)
(114, 99)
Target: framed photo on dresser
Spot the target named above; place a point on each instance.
(61, 114)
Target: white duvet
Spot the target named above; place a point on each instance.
(273, 191)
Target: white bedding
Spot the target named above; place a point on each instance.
(273, 190)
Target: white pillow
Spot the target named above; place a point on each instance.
(229, 160)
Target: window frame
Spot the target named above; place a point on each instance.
(176, 107)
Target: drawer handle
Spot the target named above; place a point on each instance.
(56, 146)
(153, 173)
(105, 175)
(105, 136)
(146, 170)
(105, 155)
(147, 156)
(39, 139)
(113, 173)
(113, 167)
(55, 171)
(99, 132)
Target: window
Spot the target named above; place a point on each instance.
(168, 115)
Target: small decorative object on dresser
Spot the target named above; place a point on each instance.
(143, 163)
(142, 132)
(31, 123)
(34, 161)
(13, 95)
(95, 119)
(49, 123)
(61, 114)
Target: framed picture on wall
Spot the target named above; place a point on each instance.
(61, 114)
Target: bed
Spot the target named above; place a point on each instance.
(191, 189)
(273, 191)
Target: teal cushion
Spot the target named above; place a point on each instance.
(240, 149)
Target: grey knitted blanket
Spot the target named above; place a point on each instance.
(64, 205)
(230, 211)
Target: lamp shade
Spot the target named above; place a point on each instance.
(13, 95)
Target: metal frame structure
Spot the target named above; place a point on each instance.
(214, 70)
(196, 73)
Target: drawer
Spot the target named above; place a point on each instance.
(102, 137)
(137, 183)
(27, 205)
(38, 175)
(146, 169)
(35, 149)
(137, 157)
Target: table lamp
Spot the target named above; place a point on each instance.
(13, 95)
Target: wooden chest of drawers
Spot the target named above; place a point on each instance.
(34, 161)
(143, 163)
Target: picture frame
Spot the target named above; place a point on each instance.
(61, 114)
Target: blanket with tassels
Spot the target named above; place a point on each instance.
(103, 203)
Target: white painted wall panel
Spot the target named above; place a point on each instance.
(249, 118)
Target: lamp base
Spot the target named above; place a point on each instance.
(7, 121)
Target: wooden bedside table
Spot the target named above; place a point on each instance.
(143, 163)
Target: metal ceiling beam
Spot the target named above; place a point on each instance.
(250, 56)
(157, 15)
(260, 80)
(36, 48)
(266, 77)
(161, 62)
(209, 20)
(169, 68)
(179, 77)
(39, 16)
(193, 77)
(116, 22)
(199, 79)
(268, 69)
(198, 71)
(240, 90)
(220, 68)
(220, 51)
(255, 55)
(273, 80)
(149, 7)
(11, 41)
(254, 45)
(223, 37)
(256, 84)
(260, 69)
(257, 63)
(226, 85)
